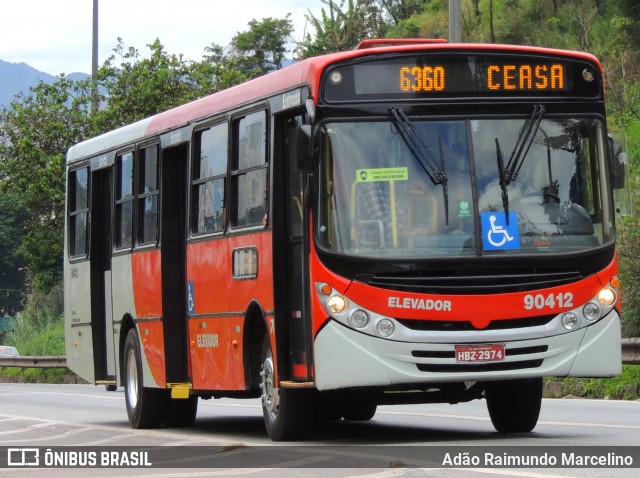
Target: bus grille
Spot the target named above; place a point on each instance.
(460, 326)
(425, 282)
(520, 352)
(483, 367)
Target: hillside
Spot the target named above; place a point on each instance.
(19, 77)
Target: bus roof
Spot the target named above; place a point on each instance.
(307, 72)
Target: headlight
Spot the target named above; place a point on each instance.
(345, 311)
(570, 321)
(591, 311)
(385, 327)
(337, 304)
(607, 297)
(359, 318)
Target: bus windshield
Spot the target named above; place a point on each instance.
(429, 188)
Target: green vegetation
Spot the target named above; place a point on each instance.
(39, 332)
(39, 327)
(625, 386)
(29, 340)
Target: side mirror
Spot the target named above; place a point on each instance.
(619, 170)
(620, 173)
(304, 153)
(618, 163)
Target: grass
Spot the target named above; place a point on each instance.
(39, 332)
(48, 341)
(625, 386)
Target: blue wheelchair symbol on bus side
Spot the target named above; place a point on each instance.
(191, 305)
(497, 235)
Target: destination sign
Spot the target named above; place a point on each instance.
(461, 75)
(520, 77)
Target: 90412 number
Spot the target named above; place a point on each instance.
(560, 300)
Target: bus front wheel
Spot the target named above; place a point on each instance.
(514, 405)
(287, 412)
(360, 411)
(145, 406)
(181, 412)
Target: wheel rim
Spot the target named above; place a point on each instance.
(132, 379)
(269, 391)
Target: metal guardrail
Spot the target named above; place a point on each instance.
(34, 362)
(631, 351)
(630, 355)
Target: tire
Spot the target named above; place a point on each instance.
(287, 412)
(514, 405)
(111, 388)
(181, 412)
(145, 406)
(360, 412)
(327, 410)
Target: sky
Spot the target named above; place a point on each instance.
(55, 36)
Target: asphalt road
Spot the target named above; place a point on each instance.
(408, 440)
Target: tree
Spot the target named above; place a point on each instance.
(399, 18)
(429, 19)
(12, 263)
(343, 25)
(37, 129)
(134, 88)
(397, 11)
(336, 30)
(217, 71)
(263, 47)
(631, 11)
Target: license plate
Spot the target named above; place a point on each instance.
(480, 353)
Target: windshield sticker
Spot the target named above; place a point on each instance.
(543, 242)
(497, 235)
(464, 208)
(382, 174)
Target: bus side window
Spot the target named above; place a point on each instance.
(148, 192)
(124, 201)
(249, 170)
(78, 211)
(209, 180)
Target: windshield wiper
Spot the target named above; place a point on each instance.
(525, 139)
(510, 172)
(436, 174)
(503, 182)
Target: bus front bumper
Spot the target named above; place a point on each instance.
(345, 358)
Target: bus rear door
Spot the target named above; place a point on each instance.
(101, 292)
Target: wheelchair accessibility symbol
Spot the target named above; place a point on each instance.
(191, 305)
(497, 235)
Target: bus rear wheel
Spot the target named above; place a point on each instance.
(514, 405)
(287, 412)
(145, 406)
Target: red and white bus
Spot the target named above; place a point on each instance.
(407, 222)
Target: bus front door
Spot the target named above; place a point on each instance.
(290, 283)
